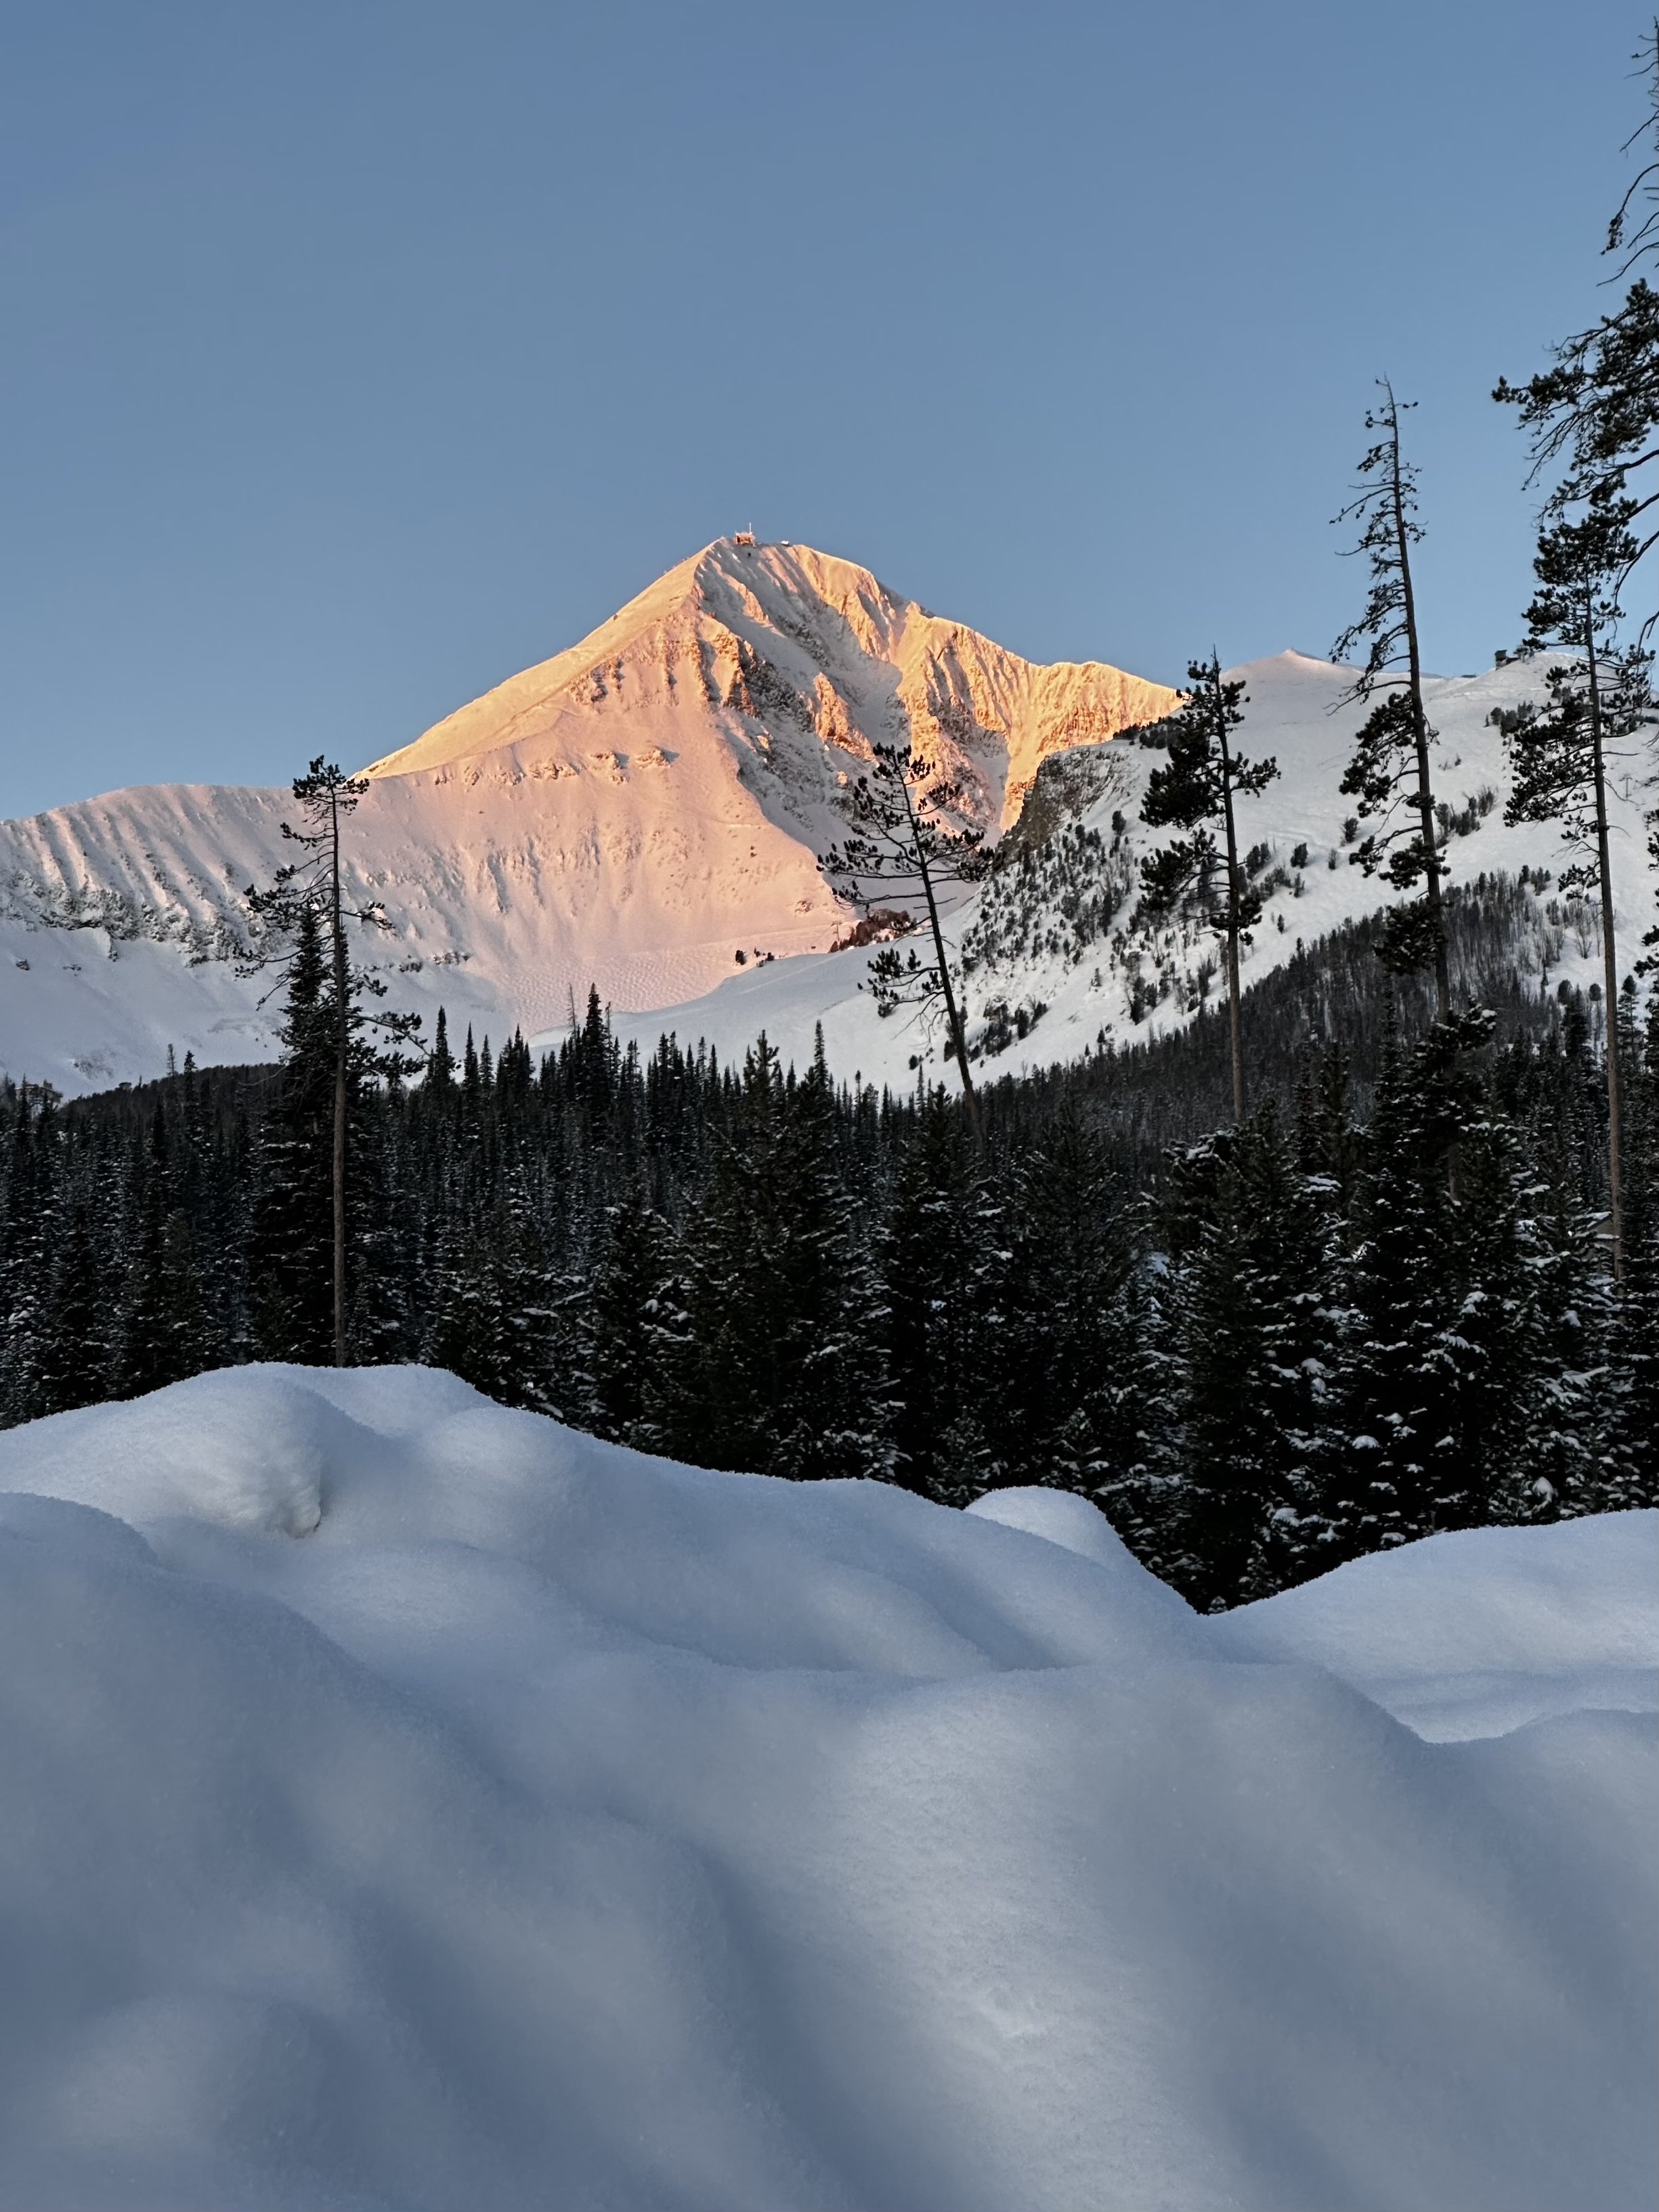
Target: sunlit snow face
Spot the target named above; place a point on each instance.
(627, 813)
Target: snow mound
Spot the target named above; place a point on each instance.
(1475, 1631)
(1059, 1516)
(409, 1802)
(235, 1450)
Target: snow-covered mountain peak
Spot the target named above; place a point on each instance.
(1290, 667)
(643, 811)
(808, 657)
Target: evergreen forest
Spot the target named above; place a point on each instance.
(1379, 1306)
(1367, 1252)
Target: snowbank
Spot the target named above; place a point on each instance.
(412, 1803)
(1473, 1633)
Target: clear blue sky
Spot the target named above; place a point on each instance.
(356, 356)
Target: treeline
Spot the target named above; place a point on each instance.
(1262, 1353)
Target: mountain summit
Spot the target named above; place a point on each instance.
(635, 812)
(801, 660)
(645, 813)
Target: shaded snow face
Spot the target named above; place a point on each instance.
(410, 1801)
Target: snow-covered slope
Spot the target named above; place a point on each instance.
(642, 809)
(407, 1802)
(1054, 935)
(632, 813)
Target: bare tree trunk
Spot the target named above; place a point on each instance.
(1232, 895)
(341, 1040)
(953, 1019)
(1609, 960)
(1420, 723)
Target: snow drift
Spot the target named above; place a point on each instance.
(412, 1803)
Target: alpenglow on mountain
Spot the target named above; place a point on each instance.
(645, 813)
(633, 813)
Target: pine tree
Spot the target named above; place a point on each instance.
(836, 1418)
(620, 1311)
(383, 1253)
(1595, 414)
(1328, 1147)
(27, 1257)
(1460, 1283)
(910, 839)
(290, 1252)
(165, 1333)
(1632, 1472)
(74, 1361)
(719, 1317)
(769, 1329)
(494, 1313)
(1561, 755)
(1196, 789)
(543, 1353)
(1065, 1410)
(440, 1061)
(595, 1069)
(1252, 1337)
(1595, 410)
(466, 1332)
(1530, 1336)
(314, 887)
(1633, 1411)
(938, 1262)
(1390, 773)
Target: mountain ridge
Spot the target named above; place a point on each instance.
(644, 813)
(634, 812)
(727, 618)
(1053, 960)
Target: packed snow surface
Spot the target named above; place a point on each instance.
(408, 1802)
